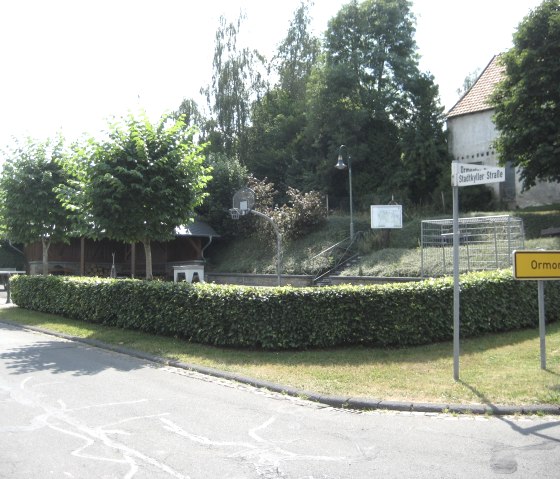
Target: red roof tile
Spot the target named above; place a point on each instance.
(476, 98)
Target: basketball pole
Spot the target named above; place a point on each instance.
(278, 244)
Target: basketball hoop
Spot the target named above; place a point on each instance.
(244, 200)
(234, 213)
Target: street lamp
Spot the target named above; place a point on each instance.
(340, 165)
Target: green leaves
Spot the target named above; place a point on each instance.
(140, 182)
(30, 209)
(392, 315)
(527, 100)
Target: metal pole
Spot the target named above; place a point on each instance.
(278, 244)
(496, 246)
(456, 293)
(542, 324)
(351, 207)
(341, 166)
(422, 249)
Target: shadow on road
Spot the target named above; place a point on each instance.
(516, 426)
(59, 356)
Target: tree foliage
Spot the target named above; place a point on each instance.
(361, 87)
(276, 146)
(30, 210)
(425, 158)
(297, 54)
(527, 100)
(301, 214)
(190, 113)
(468, 82)
(139, 183)
(370, 95)
(237, 80)
(228, 176)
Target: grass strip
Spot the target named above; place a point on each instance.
(495, 369)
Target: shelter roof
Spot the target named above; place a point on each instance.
(197, 228)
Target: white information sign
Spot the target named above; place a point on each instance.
(466, 174)
(386, 216)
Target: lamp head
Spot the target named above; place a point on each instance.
(340, 165)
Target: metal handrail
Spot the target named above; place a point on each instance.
(334, 268)
(345, 258)
(330, 248)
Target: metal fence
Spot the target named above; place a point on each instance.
(486, 243)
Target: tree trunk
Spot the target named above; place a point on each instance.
(46, 244)
(148, 253)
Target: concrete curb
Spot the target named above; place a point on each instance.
(343, 402)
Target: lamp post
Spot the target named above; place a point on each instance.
(340, 165)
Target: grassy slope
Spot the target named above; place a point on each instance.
(402, 258)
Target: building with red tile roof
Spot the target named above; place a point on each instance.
(476, 99)
(472, 134)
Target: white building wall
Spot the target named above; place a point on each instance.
(470, 140)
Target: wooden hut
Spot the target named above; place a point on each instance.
(87, 257)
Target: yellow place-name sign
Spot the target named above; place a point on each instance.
(536, 264)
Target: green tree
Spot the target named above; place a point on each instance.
(297, 54)
(30, 210)
(425, 154)
(361, 95)
(276, 147)
(192, 117)
(139, 183)
(228, 176)
(527, 100)
(237, 80)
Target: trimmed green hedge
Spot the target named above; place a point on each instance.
(400, 314)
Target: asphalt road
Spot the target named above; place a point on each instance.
(68, 410)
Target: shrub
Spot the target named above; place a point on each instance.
(391, 315)
(304, 213)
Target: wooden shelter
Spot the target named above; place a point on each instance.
(87, 257)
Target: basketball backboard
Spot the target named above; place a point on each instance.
(244, 200)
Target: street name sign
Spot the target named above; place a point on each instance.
(466, 174)
(536, 264)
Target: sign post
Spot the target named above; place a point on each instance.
(463, 174)
(539, 265)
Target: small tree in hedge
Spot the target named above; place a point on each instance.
(29, 208)
(139, 183)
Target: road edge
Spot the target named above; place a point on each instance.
(342, 402)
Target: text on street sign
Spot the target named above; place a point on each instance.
(468, 174)
(538, 265)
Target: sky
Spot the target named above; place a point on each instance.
(70, 65)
